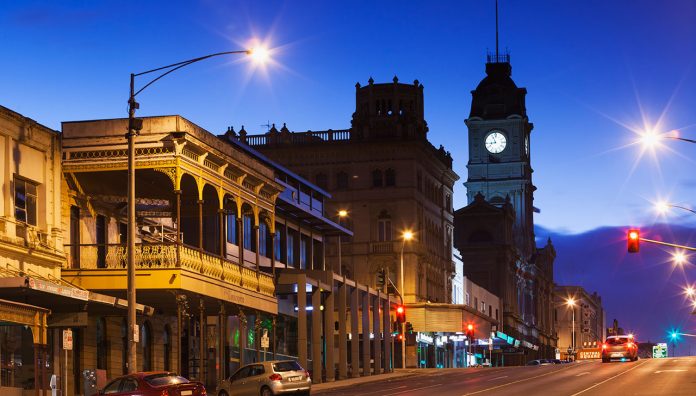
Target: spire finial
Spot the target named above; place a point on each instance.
(496, 29)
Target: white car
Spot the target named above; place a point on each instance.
(280, 377)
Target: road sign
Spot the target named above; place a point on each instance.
(659, 351)
(67, 339)
(265, 341)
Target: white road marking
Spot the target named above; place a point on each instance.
(669, 371)
(609, 379)
(583, 373)
(412, 389)
(514, 382)
(382, 390)
(497, 378)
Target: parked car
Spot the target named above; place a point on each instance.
(557, 361)
(539, 362)
(155, 383)
(280, 377)
(622, 347)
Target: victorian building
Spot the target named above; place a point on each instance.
(389, 179)
(495, 232)
(230, 252)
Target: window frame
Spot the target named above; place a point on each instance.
(27, 195)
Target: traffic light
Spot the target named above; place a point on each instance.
(400, 314)
(381, 277)
(409, 328)
(633, 240)
(470, 331)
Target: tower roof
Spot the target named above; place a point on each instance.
(497, 95)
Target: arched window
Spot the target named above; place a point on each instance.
(497, 201)
(232, 227)
(377, 178)
(102, 348)
(341, 181)
(167, 347)
(390, 177)
(321, 180)
(263, 239)
(249, 238)
(146, 343)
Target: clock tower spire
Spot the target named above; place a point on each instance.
(499, 164)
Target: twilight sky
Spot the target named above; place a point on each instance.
(594, 70)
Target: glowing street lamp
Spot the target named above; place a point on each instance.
(405, 237)
(571, 303)
(134, 126)
(651, 139)
(342, 214)
(689, 291)
(663, 207)
(679, 257)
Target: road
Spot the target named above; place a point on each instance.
(649, 377)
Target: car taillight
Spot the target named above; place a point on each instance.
(631, 345)
(604, 346)
(306, 373)
(164, 393)
(275, 377)
(203, 392)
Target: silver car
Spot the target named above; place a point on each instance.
(280, 377)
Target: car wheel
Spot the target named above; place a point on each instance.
(266, 391)
(222, 393)
(605, 360)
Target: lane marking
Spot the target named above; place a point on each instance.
(382, 390)
(515, 382)
(497, 378)
(669, 371)
(412, 389)
(611, 378)
(583, 373)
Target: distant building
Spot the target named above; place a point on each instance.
(590, 318)
(390, 179)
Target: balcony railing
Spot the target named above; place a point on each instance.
(164, 255)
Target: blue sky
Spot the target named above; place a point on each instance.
(591, 68)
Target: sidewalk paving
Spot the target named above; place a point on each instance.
(398, 373)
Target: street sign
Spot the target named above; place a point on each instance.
(660, 351)
(67, 339)
(265, 341)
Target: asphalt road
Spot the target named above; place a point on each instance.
(649, 377)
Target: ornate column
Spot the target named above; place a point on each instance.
(177, 193)
(240, 238)
(222, 342)
(273, 255)
(377, 344)
(342, 336)
(258, 264)
(367, 369)
(223, 239)
(181, 315)
(329, 329)
(316, 335)
(302, 320)
(200, 224)
(354, 332)
(202, 330)
(243, 336)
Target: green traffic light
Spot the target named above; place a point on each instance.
(674, 335)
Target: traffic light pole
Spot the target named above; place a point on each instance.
(668, 244)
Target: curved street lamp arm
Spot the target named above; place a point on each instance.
(682, 139)
(179, 65)
(682, 207)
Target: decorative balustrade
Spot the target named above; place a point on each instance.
(382, 247)
(297, 137)
(154, 256)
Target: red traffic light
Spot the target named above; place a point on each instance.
(400, 314)
(470, 331)
(633, 240)
(470, 327)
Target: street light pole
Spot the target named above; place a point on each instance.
(134, 125)
(573, 308)
(407, 236)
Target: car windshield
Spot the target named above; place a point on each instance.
(617, 340)
(286, 366)
(165, 379)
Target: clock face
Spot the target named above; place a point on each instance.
(495, 142)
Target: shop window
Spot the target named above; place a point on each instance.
(25, 201)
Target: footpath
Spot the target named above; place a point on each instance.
(398, 373)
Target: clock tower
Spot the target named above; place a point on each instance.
(499, 164)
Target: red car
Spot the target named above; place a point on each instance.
(620, 347)
(154, 383)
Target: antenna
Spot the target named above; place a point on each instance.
(267, 125)
(496, 30)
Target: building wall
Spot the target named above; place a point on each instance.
(589, 318)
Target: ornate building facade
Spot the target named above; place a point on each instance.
(495, 232)
(590, 321)
(389, 179)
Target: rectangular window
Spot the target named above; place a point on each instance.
(385, 233)
(291, 248)
(303, 252)
(248, 233)
(232, 229)
(278, 245)
(467, 301)
(25, 201)
(263, 239)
